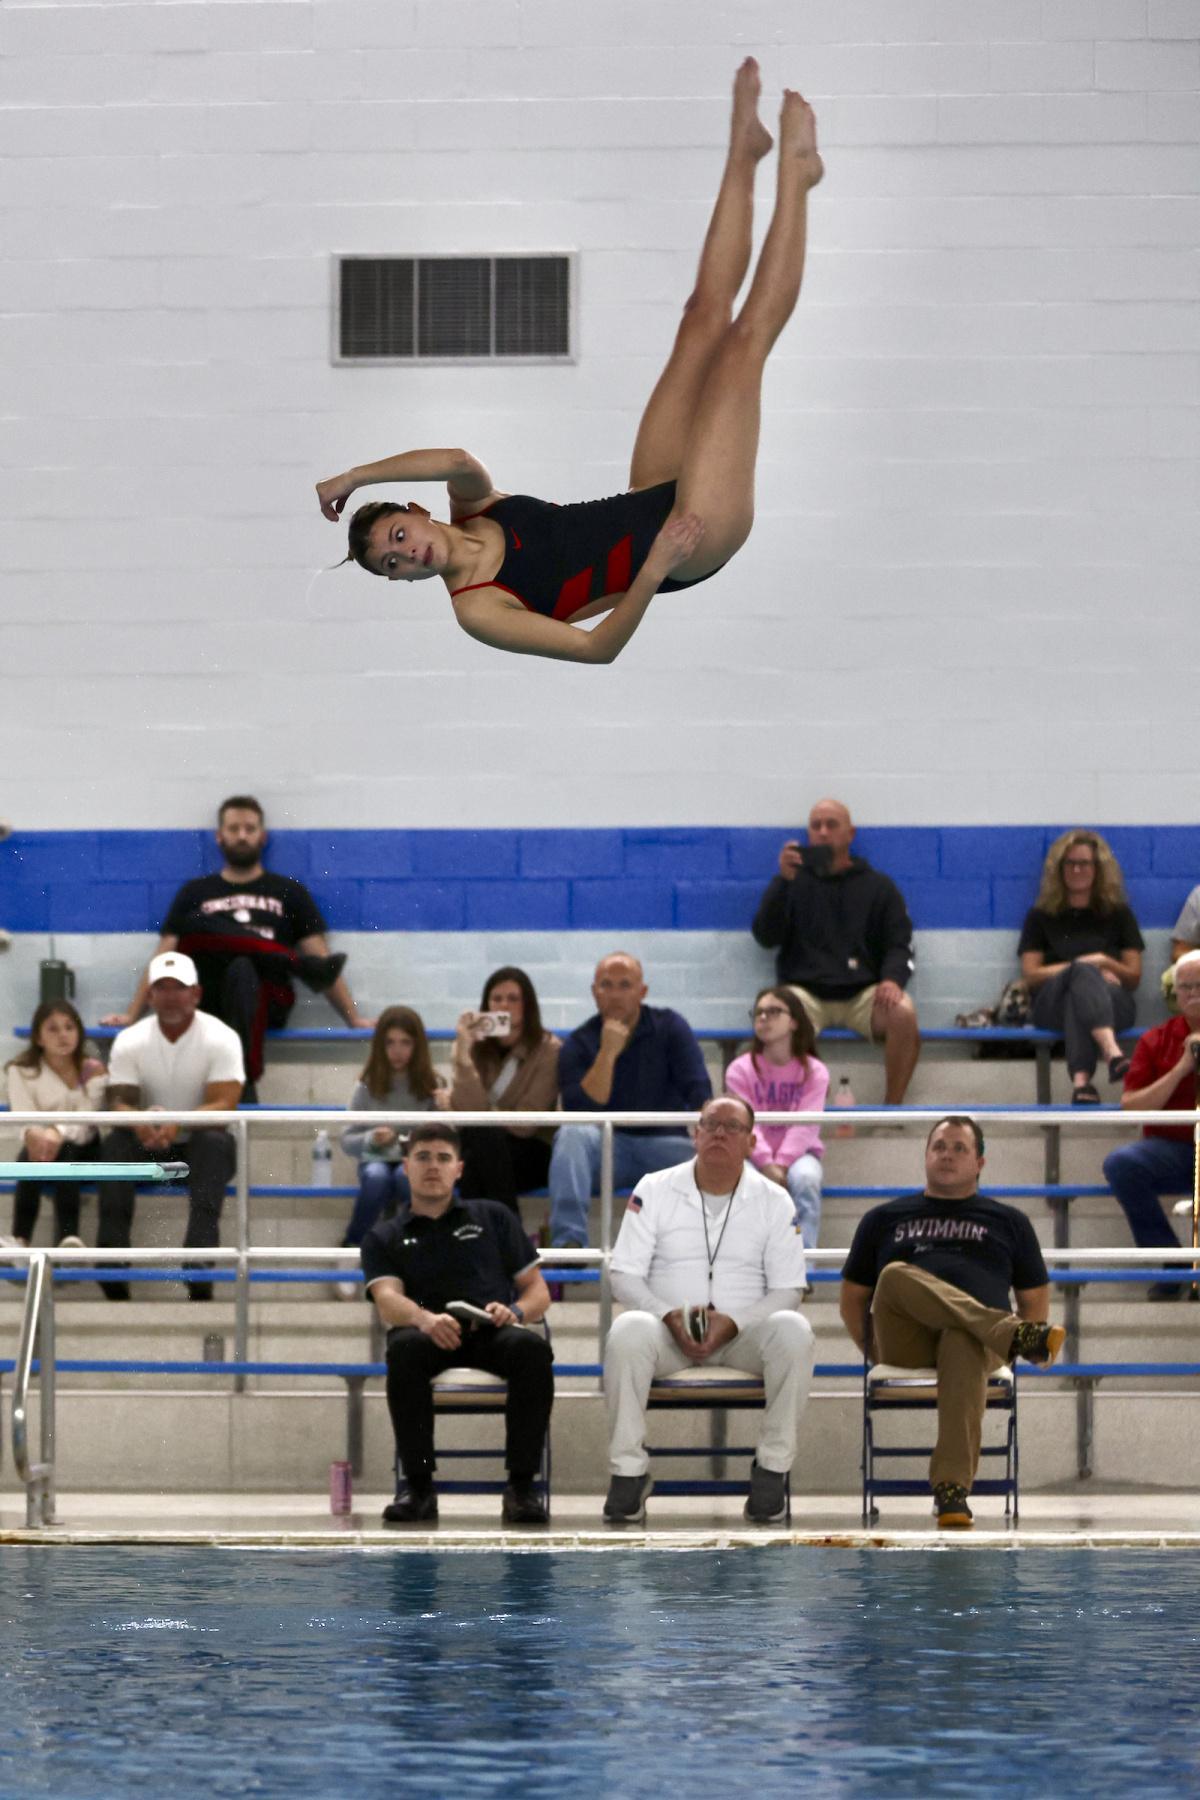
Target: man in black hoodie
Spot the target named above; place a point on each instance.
(844, 939)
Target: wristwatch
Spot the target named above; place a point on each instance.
(518, 1313)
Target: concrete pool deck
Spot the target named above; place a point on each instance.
(1100, 1520)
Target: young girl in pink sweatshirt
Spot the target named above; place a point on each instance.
(784, 1074)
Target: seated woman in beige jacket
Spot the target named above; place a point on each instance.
(54, 1075)
(510, 1071)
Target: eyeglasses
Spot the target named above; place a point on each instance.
(1078, 862)
(769, 1012)
(722, 1128)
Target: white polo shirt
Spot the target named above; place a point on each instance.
(175, 1075)
(661, 1244)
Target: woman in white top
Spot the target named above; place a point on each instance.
(54, 1075)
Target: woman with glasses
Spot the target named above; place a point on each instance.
(783, 1073)
(1081, 956)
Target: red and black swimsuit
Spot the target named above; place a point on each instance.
(558, 558)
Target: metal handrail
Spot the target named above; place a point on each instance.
(37, 1333)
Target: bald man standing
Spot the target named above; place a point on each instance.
(628, 1057)
(844, 939)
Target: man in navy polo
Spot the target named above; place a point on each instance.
(438, 1250)
(628, 1057)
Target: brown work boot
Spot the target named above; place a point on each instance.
(1037, 1343)
(950, 1504)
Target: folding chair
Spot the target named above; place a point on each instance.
(716, 1391)
(888, 1388)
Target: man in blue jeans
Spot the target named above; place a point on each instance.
(628, 1057)
(1161, 1078)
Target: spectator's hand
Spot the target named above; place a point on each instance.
(502, 1314)
(1112, 980)
(384, 1136)
(775, 1172)
(333, 494)
(441, 1099)
(121, 1019)
(695, 1353)
(42, 1143)
(789, 860)
(721, 1331)
(613, 1037)
(888, 994)
(147, 1136)
(445, 1331)
(464, 1029)
(359, 1023)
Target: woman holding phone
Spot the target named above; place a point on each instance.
(505, 1061)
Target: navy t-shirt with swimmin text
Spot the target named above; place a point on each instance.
(978, 1245)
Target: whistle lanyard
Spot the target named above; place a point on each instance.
(710, 1253)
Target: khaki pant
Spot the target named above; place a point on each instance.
(919, 1322)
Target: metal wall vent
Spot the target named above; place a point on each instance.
(453, 308)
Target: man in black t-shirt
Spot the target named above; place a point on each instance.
(249, 932)
(927, 1285)
(438, 1251)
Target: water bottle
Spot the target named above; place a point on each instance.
(341, 1489)
(322, 1161)
(844, 1097)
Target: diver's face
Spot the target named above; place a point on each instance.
(405, 546)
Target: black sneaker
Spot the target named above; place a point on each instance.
(412, 1506)
(627, 1496)
(950, 1505)
(523, 1505)
(1037, 1342)
(766, 1503)
(1167, 1290)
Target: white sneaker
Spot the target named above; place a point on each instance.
(71, 1243)
(10, 1243)
(346, 1290)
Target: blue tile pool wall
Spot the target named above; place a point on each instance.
(955, 878)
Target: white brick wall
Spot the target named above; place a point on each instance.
(978, 534)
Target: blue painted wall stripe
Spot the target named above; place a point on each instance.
(958, 877)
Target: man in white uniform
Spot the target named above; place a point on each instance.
(714, 1234)
(178, 1059)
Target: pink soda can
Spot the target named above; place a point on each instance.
(341, 1488)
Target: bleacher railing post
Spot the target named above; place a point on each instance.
(606, 1222)
(47, 1381)
(241, 1297)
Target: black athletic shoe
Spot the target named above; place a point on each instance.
(1167, 1290)
(766, 1503)
(950, 1505)
(1037, 1343)
(320, 972)
(412, 1506)
(523, 1505)
(627, 1496)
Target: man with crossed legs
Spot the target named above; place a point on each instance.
(927, 1285)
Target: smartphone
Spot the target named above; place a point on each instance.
(496, 1024)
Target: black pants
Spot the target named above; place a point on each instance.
(27, 1195)
(1076, 1002)
(500, 1166)
(234, 994)
(523, 1358)
(211, 1157)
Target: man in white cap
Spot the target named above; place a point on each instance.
(179, 1060)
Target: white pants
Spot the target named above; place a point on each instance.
(780, 1349)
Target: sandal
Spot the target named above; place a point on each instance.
(1118, 1067)
(1085, 1095)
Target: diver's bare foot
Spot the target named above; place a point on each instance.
(798, 137)
(747, 131)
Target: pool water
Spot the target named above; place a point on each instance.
(969, 1672)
